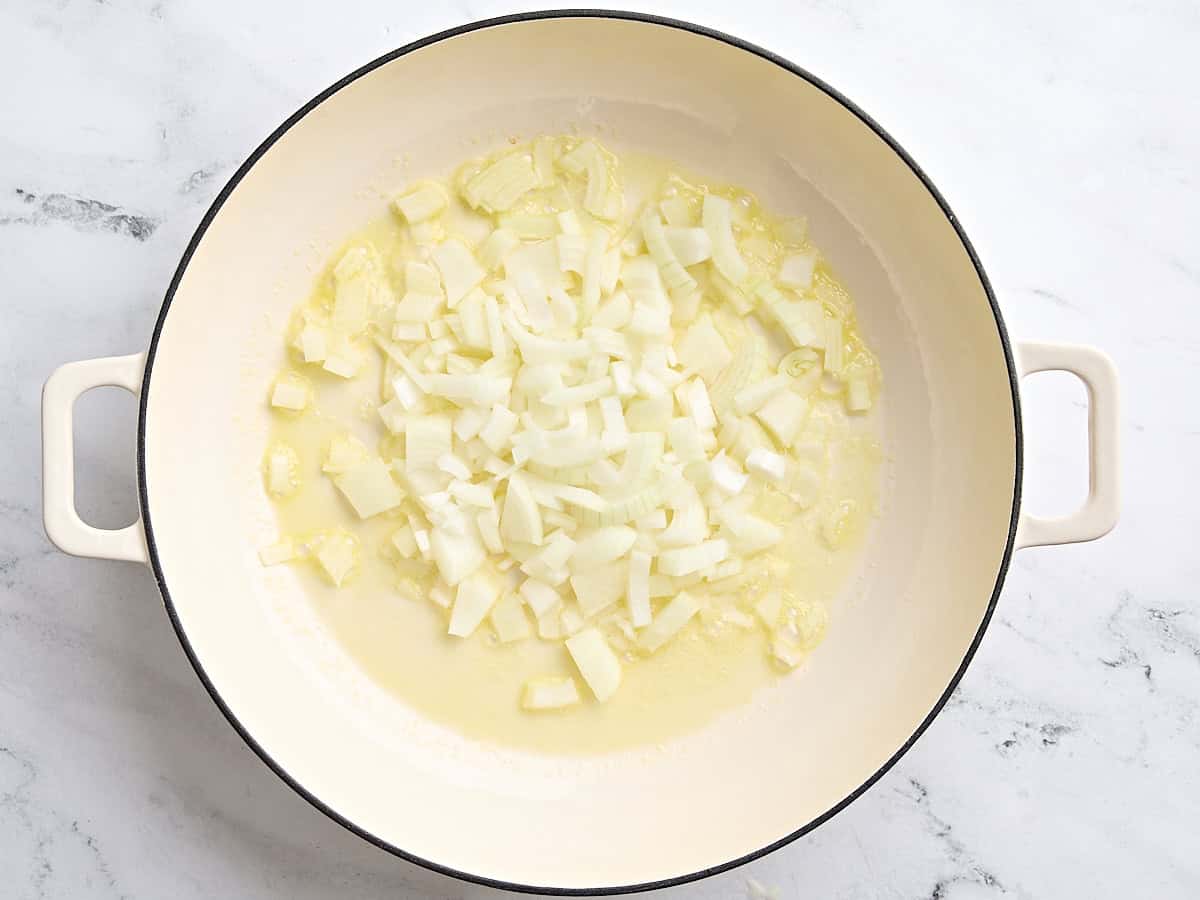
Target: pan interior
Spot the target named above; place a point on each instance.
(755, 775)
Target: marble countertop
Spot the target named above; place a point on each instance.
(1068, 762)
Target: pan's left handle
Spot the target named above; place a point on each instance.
(63, 525)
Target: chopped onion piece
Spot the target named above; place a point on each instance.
(337, 554)
(369, 488)
(643, 283)
(540, 596)
(796, 271)
(676, 277)
(601, 546)
(404, 542)
(644, 450)
(418, 307)
(421, 203)
(648, 384)
(357, 283)
(835, 346)
(689, 525)
(593, 272)
(768, 464)
(551, 559)
(608, 342)
(703, 350)
(290, 392)
(686, 560)
(783, 415)
(549, 693)
(669, 622)
(488, 523)
(614, 313)
(569, 222)
(652, 521)
(603, 197)
(610, 272)
(691, 246)
(583, 498)
(572, 252)
(549, 627)
(750, 533)
(650, 414)
(509, 620)
(456, 555)
(282, 470)
(469, 390)
(858, 394)
(686, 440)
(752, 398)
(572, 621)
(529, 227)
(726, 474)
(600, 587)
(497, 433)
(545, 152)
(474, 600)
(421, 536)
(502, 183)
(597, 663)
(699, 405)
(406, 393)
(637, 593)
(468, 422)
(622, 376)
(344, 452)
(801, 320)
(662, 586)
(496, 247)
(460, 272)
(520, 520)
(426, 440)
(313, 343)
(677, 211)
(716, 217)
(615, 435)
(453, 466)
(441, 595)
(477, 495)
(580, 394)
(650, 321)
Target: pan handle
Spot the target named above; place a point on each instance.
(63, 525)
(1100, 511)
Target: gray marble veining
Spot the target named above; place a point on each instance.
(1067, 764)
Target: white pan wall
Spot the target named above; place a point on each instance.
(754, 777)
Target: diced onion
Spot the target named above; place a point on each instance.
(549, 693)
(596, 662)
(580, 406)
(669, 622)
(717, 220)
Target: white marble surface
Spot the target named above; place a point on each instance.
(1067, 139)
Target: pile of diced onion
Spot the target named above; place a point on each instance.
(595, 419)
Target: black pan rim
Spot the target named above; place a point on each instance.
(308, 107)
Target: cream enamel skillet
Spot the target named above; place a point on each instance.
(753, 780)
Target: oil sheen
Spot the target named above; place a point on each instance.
(473, 685)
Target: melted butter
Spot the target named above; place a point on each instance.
(473, 685)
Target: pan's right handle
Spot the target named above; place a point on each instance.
(1100, 511)
(63, 525)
